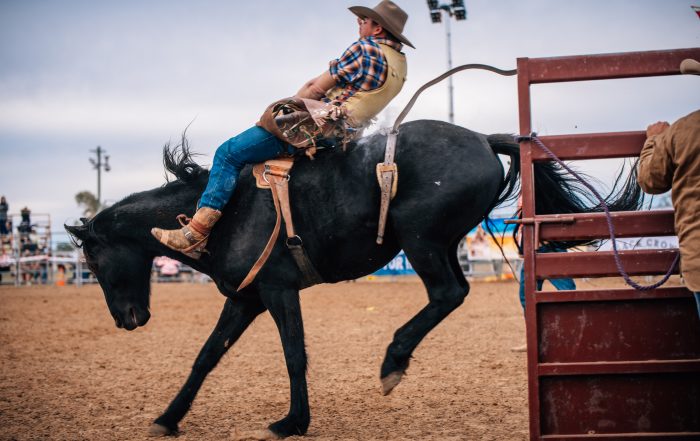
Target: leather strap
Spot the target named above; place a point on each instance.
(387, 172)
(280, 191)
(257, 266)
(275, 174)
(449, 73)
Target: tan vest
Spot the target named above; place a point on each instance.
(366, 104)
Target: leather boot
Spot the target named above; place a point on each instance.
(192, 238)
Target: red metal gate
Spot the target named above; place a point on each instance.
(609, 363)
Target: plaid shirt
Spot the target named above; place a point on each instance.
(362, 66)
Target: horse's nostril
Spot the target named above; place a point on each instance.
(132, 313)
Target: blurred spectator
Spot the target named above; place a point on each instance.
(61, 275)
(4, 207)
(31, 271)
(167, 268)
(479, 247)
(5, 263)
(26, 244)
(25, 226)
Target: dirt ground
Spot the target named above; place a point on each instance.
(67, 373)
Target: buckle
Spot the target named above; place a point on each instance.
(294, 242)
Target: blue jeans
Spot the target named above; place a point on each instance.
(253, 146)
(560, 284)
(697, 301)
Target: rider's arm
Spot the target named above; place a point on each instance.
(316, 88)
(655, 172)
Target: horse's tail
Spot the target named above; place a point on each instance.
(556, 191)
(504, 145)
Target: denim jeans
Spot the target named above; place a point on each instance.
(250, 147)
(560, 284)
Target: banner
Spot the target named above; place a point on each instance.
(643, 243)
(399, 266)
(478, 245)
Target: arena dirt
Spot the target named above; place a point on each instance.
(69, 374)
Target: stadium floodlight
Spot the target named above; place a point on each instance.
(457, 10)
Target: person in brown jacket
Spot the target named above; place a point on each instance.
(670, 160)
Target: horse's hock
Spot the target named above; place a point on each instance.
(606, 363)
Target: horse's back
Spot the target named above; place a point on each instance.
(448, 179)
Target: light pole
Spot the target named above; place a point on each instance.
(99, 165)
(457, 10)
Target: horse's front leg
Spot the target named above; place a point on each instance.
(285, 309)
(237, 314)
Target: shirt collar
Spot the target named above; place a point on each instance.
(391, 43)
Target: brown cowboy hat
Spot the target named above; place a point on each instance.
(388, 15)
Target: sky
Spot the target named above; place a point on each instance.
(130, 76)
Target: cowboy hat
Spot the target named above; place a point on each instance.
(690, 66)
(388, 15)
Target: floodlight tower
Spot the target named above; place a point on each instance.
(99, 165)
(457, 10)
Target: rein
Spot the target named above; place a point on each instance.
(387, 171)
(616, 254)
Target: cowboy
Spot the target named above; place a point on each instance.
(359, 84)
(670, 160)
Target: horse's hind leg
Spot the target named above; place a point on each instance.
(237, 314)
(446, 288)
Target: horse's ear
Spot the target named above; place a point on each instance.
(79, 232)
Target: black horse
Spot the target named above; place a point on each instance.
(450, 179)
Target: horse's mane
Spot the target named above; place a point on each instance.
(178, 161)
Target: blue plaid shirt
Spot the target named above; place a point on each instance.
(362, 66)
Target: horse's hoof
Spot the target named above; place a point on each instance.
(255, 435)
(390, 381)
(159, 430)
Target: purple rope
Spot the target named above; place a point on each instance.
(608, 217)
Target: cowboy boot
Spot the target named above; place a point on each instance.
(192, 237)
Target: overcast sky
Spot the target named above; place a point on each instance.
(131, 75)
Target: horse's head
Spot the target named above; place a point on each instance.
(117, 242)
(123, 271)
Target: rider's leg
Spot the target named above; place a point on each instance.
(250, 147)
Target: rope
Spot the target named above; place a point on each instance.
(608, 217)
(450, 72)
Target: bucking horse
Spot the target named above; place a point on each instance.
(450, 179)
